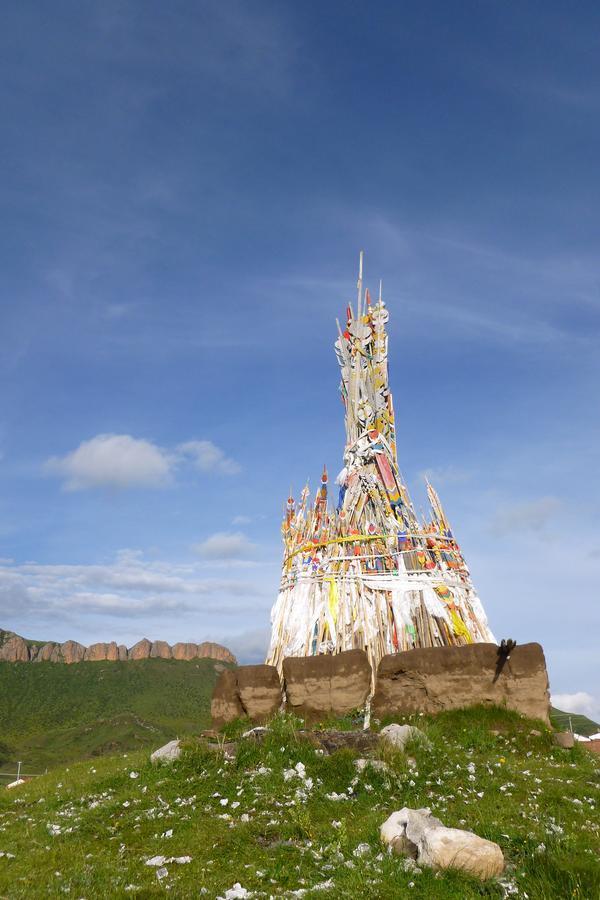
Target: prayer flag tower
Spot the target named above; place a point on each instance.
(368, 574)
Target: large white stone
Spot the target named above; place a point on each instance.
(418, 834)
(169, 753)
(399, 735)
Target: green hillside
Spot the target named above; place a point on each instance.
(52, 714)
(580, 724)
(96, 828)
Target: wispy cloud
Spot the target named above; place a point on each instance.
(457, 285)
(533, 515)
(208, 457)
(445, 475)
(235, 48)
(225, 545)
(241, 520)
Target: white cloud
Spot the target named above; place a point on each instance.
(122, 461)
(225, 545)
(250, 646)
(130, 586)
(580, 702)
(445, 475)
(118, 605)
(118, 310)
(208, 457)
(530, 516)
(113, 460)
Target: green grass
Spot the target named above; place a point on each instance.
(88, 830)
(52, 713)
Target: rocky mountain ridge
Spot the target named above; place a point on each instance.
(14, 648)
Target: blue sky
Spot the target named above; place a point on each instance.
(185, 188)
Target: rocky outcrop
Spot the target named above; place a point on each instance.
(14, 648)
(102, 651)
(436, 678)
(321, 686)
(45, 652)
(185, 651)
(416, 834)
(209, 650)
(141, 650)
(72, 651)
(160, 649)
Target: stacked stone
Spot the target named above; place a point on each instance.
(425, 680)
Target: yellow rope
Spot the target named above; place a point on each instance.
(352, 538)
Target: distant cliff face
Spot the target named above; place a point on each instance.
(14, 648)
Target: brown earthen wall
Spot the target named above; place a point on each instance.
(437, 678)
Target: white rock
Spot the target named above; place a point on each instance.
(169, 753)
(237, 892)
(418, 834)
(260, 729)
(377, 764)
(161, 860)
(399, 735)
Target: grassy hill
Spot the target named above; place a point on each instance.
(90, 829)
(52, 714)
(581, 724)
